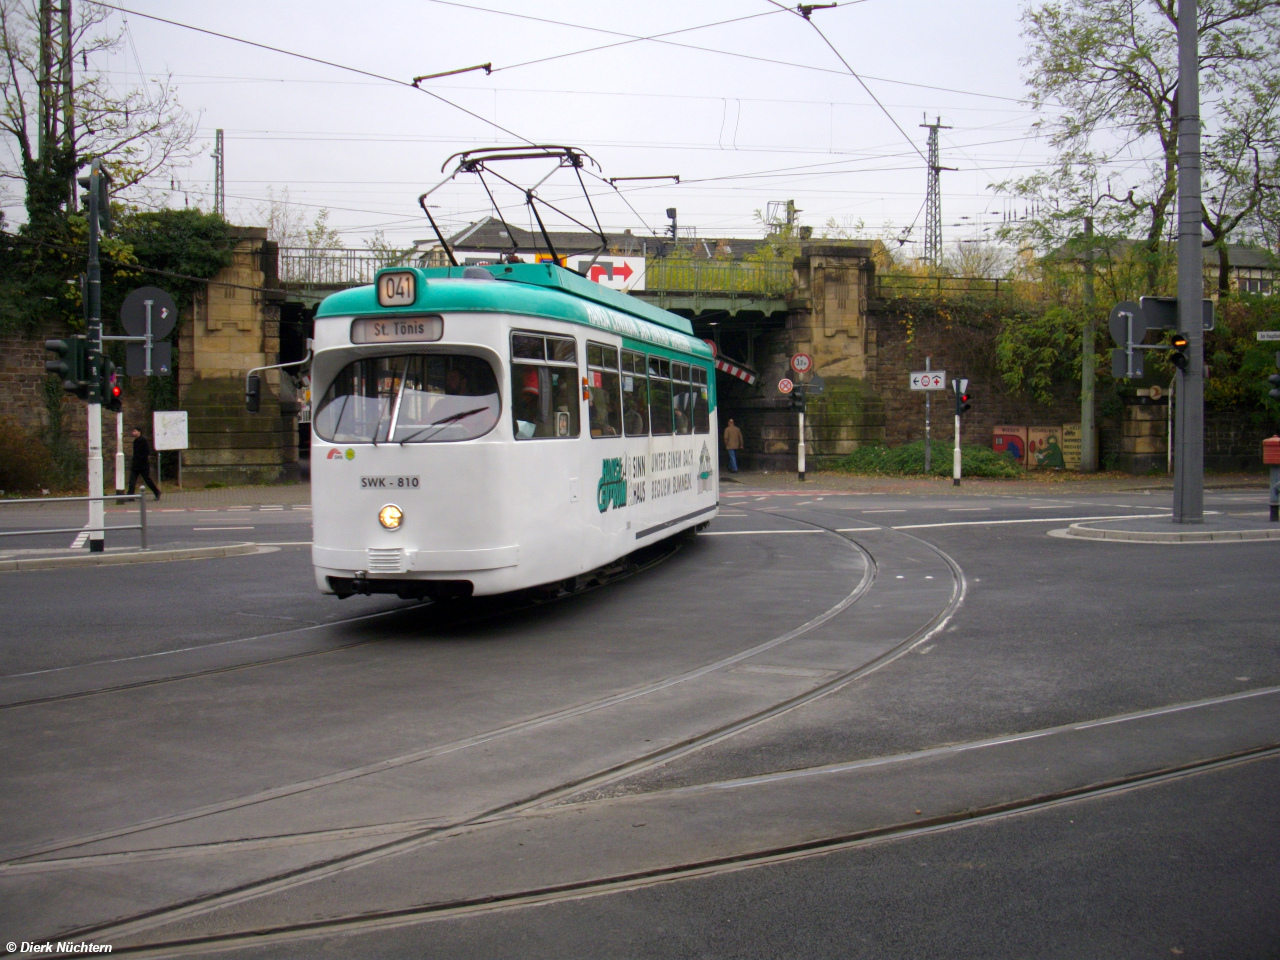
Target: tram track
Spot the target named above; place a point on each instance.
(479, 739)
(693, 869)
(475, 617)
(546, 798)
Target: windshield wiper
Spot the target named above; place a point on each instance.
(443, 422)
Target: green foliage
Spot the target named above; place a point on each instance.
(1037, 351)
(24, 460)
(1239, 364)
(908, 460)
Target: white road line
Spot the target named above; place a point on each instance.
(739, 533)
(988, 523)
(884, 511)
(966, 509)
(856, 529)
(269, 508)
(222, 528)
(287, 543)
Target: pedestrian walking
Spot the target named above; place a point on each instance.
(732, 443)
(140, 465)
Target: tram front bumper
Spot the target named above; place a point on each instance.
(397, 560)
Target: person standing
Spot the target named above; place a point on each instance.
(140, 465)
(732, 443)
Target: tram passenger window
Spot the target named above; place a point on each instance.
(681, 398)
(701, 401)
(635, 394)
(659, 396)
(544, 393)
(416, 398)
(603, 385)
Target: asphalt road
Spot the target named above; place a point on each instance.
(836, 724)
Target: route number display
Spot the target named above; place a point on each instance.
(398, 289)
(929, 380)
(802, 363)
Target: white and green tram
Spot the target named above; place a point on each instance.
(478, 430)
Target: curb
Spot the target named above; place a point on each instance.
(1081, 532)
(140, 556)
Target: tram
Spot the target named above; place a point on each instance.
(479, 430)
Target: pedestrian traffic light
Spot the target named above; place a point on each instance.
(1274, 380)
(1178, 356)
(71, 364)
(963, 396)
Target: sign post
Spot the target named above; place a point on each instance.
(961, 387)
(928, 380)
(801, 363)
(169, 427)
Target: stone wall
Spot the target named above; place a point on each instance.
(235, 326)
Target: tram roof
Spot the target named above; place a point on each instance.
(541, 289)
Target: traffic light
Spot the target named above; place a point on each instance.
(71, 364)
(1274, 380)
(112, 392)
(252, 392)
(1178, 355)
(962, 396)
(98, 187)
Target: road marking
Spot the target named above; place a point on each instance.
(226, 528)
(964, 509)
(287, 543)
(856, 529)
(239, 508)
(988, 523)
(80, 540)
(269, 508)
(738, 533)
(884, 511)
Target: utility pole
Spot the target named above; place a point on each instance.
(933, 197)
(1088, 427)
(1188, 463)
(98, 195)
(219, 177)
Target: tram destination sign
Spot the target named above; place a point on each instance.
(396, 329)
(929, 380)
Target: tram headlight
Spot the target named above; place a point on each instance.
(391, 516)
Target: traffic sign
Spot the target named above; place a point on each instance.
(1162, 312)
(133, 313)
(785, 385)
(1265, 335)
(1127, 323)
(802, 363)
(929, 380)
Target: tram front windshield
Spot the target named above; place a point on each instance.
(419, 398)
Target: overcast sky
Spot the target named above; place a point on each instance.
(739, 131)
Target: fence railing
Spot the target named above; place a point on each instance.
(140, 526)
(717, 276)
(909, 285)
(334, 268)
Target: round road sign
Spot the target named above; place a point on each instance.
(133, 313)
(1120, 323)
(802, 363)
(785, 385)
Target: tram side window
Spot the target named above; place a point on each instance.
(544, 386)
(681, 398)
(701, 401)
(635, 394)
(659, 396)
(603, 394)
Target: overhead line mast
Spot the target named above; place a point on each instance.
(933, 196)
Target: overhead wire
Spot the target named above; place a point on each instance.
(318, 60)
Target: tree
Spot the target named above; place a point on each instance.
(1111, 68)
(58, 119)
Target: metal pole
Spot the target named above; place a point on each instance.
(97, 541)
(119, 453)
(142, 514)
(800, 449)
(1274, 500)
(1173, 406)
(1088, 426)
(146, 348)
(1188, 464)
(928, 444)
(955, 456)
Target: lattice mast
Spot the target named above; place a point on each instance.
(933, 196)
(219, 177)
